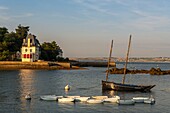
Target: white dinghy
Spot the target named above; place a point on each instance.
(50, 97)
(76, 96)
(81, 99)
(112, 99)
(94, 101)
(151, 100)
(126, 102)
(140, 99)
(66, 100)
(99, 97)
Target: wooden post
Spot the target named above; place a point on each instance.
(109, 61)
(127, 55)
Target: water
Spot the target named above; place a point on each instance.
(15, 84)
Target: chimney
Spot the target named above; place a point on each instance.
(28, 42)
(24, 40)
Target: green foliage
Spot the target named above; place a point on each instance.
(11, 42)
(22, 31)
(5, 55)
(50, 51)
(61, 59)
(3, 31)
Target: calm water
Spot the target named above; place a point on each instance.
(14, 85)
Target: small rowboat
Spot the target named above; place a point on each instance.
(126, 102)
(81, 99)
(140, 99)
(50, 97)
(65, 100)
(94, 101)
(112, 99)
(72, 96)
(151, 100)
(99, 97)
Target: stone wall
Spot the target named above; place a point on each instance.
(33, 65)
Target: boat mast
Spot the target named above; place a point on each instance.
(127, 55)
(109, 61)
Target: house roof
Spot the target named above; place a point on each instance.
(33, 41)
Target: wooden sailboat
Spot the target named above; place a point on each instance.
(109, 85)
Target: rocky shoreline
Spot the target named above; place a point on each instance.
(152, 71)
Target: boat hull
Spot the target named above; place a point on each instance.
(50, 97)
(140, 99)
(126, 102)
(106, 85)
(81, 99)
(150, 101)
(99, 97)
(112, 99)
(94, 101)
(65, 100)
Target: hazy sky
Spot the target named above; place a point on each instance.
(85, 28)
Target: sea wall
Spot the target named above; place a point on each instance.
(34, 65)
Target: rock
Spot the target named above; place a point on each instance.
(152, 71)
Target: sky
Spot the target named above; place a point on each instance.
(85, 28)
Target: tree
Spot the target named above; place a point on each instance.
(21, 33)
(3, 31)
(50, 51)
(4, 55)
(12, 42)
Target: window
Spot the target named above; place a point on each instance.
(28, 55)
(25, 50)
(24, 55)
(30, 50)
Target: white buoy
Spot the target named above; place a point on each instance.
(28, 96)
(67, 87)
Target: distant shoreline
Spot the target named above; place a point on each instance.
(134, 59)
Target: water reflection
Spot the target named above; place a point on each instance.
(109, 93)
(26, 81)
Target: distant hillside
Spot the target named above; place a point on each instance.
(116, 59)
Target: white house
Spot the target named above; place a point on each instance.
(30, 50)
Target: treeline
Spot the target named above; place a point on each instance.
(11, 43)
